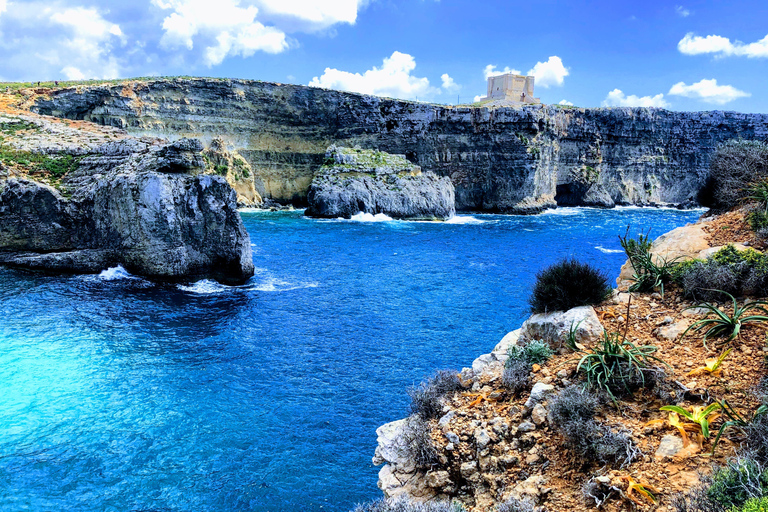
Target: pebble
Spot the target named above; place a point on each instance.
(564, 373)
(539, 414)
(526, 426)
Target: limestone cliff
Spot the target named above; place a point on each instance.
(504, 159)
(80, 199)
(359, 180)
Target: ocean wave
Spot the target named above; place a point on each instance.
(464, 219)
(369, 217)
(278, 285)
(204, 287)
(115, 273)
(563, 210)
(632, 207)
(608, 251)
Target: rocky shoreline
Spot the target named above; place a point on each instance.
(493, 445)
(75, 197)
(499, 159)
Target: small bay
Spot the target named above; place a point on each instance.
(121, 395)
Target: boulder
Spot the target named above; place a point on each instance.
(354, 181)
(598, 196)
(141, 203)
(681, 243)
(555, 327)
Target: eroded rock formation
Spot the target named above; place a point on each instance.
(356, 180)
(144, 204)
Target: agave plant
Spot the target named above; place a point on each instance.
(735, 420)
(698, 414)
(712, 365)
(723, 325)
(651, 271)
(615, 362)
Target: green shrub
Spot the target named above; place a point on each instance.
(532, 352)
(650, 272)
(619, 367)
(427, 397)
(755, 505)
(514, 505)
(735, 167)
(517, 368)
(728, 270)
(739, 480)
(418, 444)
(572, 413)
(566, 285)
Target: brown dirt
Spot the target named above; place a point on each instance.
(733, 227)
(742, 370)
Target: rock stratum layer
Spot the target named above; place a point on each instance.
(358, 180)
(505, 159)
(81, 199)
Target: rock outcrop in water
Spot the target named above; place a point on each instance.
(357, 180)
(505, 159)
(111, 199)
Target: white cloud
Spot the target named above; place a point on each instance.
(708, 91)
(449, 84)
(682, 11)
(722, 46)
(393, 79)
(565, 102)
(549, 73)
(310, 15)
(3, 6)
(490, 70)
(225, 28)
(40, 41)
(616, 98)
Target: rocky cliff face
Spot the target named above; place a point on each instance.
(82, 200)
(359, 180)
(504, 159)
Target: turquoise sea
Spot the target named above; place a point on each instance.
(123, 395)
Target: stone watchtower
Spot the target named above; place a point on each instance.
(512, 88)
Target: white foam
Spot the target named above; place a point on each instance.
(115, 273)
(563, 210)
(369, 217)
(278, 285)
(204, 287)
(608, 251)
(464, 219)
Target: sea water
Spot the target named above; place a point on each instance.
(122, 395)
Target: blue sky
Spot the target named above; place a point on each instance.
(682, 56)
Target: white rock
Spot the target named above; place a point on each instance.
(670, 445)
(391, 445)
(539, 415)
(555, 327)
(502, 348)
(673, 331)
(482, 438)
(539, 392)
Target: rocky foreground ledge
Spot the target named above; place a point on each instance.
(76, 197)
(489, 444)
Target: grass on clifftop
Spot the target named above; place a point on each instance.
(36, 165)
